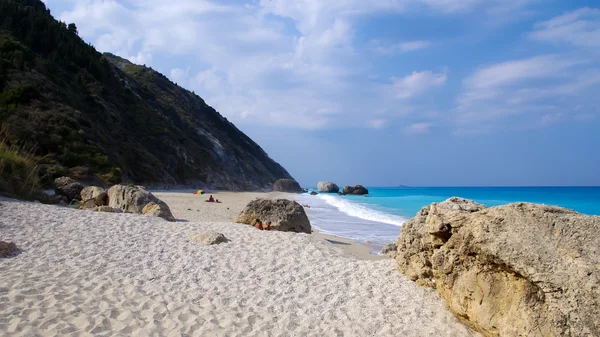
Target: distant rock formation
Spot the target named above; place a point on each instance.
(515, 270)
(287, 185)
(68, 187)
(136, 199)
(357, 190)
(285, 215)
(327, 187)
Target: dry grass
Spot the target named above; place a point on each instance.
(19, 173)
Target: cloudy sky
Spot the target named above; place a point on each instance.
(382, 92)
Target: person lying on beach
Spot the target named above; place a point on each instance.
(210, 199)
(217, 201)
(267, 226)
(258, 224)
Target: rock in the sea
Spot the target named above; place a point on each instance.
(327, 187)
(209, 238)
(285, 215)
(160, 210)
(314, 193)
(68, 187)
(357, 189)
(7, 249)
(134, 198)
(287, 185)
(389, 250)
(515, 270)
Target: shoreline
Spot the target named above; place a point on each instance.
(183, 203)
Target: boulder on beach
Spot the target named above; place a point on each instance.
(356, 189)
(209, 238)
(107, 209)
(7, 249)
(93, 192)
(327, 187)
(285, 215)
(314, 193)
(515, 270)
(160, 210)
(134, 198)
(68, 187)
(287, 185)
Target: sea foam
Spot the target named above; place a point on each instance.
(361, 211)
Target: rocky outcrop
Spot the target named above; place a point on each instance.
(7, 249)
(327, 187)
(68, 187)
(160, 210)
(135, 198)
(209, 238)
(357, 190)
(285, 215)
(287, 185)
(513, 270)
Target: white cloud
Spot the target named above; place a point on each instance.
(396, 48)
(416, 83)
(418, 128)
(377, 123)
(579, 28)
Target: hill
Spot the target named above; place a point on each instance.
(101, 118)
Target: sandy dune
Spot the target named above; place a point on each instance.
(93, 274)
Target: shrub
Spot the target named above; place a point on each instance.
(18, 169)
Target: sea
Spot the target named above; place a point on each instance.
(376, 219)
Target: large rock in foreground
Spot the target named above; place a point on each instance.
(134, 199)
(285, 215)
(327, 187)
(68, 187)
(287, 185)
(514, 270)
(356, 189)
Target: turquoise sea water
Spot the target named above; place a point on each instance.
(377, 219)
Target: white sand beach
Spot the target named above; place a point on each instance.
(81, 273)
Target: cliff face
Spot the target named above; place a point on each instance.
(100, 117)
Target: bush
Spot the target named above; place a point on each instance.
(19, 175)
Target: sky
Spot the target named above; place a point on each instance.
(382, 92)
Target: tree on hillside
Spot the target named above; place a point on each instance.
(72, 28)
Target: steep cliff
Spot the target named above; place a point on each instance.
(101, 118)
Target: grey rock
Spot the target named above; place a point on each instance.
(287, 185)
(107, 209)
(7, 249)
(515, 270)
(357, 190)
(327, 187)
(285, 215)
(314, 193)
(68, 187)
(209, 238)
(134, 198)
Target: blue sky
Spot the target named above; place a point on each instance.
(382, 93)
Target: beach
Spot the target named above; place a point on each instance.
(82, 273)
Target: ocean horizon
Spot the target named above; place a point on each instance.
(376, 219)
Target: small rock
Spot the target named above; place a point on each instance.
(327, 187)
(314, 193)
(7, 249)
(91, 192)
(68, 187)
(209, 238)
(107, 209)
(389, 250)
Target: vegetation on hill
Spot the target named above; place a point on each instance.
(101, 118)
